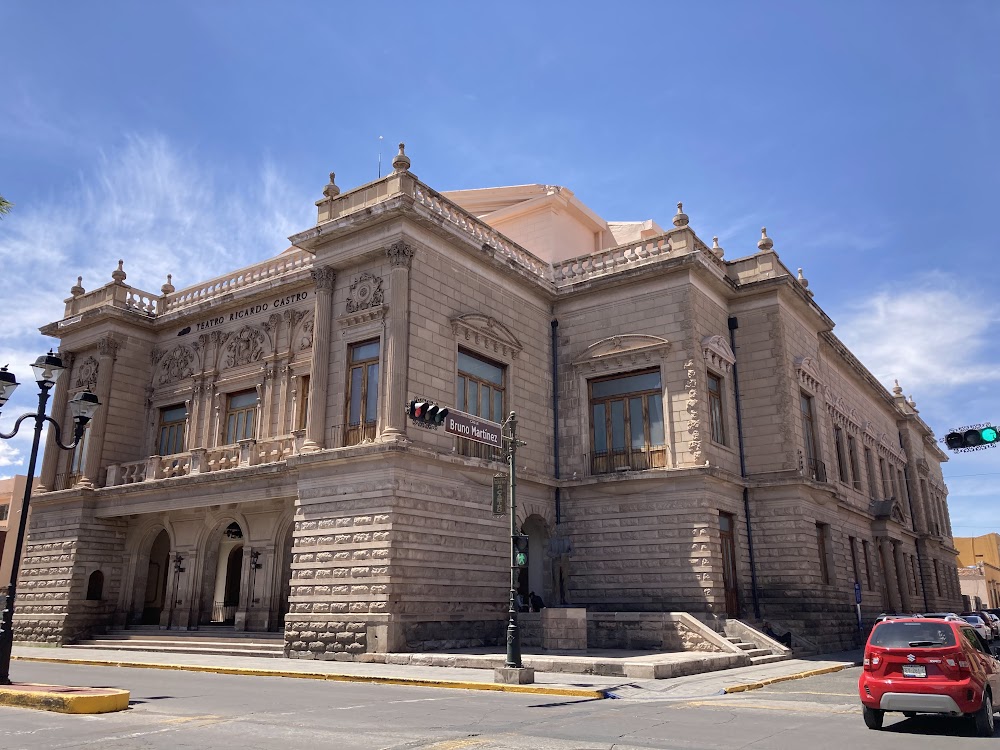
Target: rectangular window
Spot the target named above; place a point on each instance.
(870, 470)
(173, 421)
(303, 415)
(824, 567)
(241, 416)
(815, 468)
(626, 423)
(838, 442)
(362, 392)
(886, 490)
(715, 408)
(866, 553)
(937, 577)
(481, 392)
(4, 512)
(852, 456)
(854, 560)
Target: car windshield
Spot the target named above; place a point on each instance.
(896, 634)
(974, 619)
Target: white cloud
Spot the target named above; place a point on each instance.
(925, 332)
(161, 211)
(9, 454)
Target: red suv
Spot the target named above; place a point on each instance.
(926, 666)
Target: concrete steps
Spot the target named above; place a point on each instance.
(215, 642)
(757, 654)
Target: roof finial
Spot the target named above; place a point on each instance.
(897, 390)
(168, 288)
(716, 250)
(912, 403)
(765, 243)
(681, 218)
(78, 290)
(803, 280)
(331, 190)
(402, 162)
(119, 275)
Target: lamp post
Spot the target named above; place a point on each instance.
(47, 369)
(513, 632)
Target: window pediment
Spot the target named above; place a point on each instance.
(717, 353)
(623, 350)
(488, 333)
(807, 370)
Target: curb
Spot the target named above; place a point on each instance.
(785, 678)
(372, 679)
(90, 701)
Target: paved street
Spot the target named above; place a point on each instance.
(191, 710)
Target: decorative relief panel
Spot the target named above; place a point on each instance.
(623, 351)
(718, 354)
(305, 336)
(694, 411)
(488, 333)
(365, 292)
(176, 365)
(246, 347)
(87, 377)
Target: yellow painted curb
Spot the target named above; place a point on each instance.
(416, 682)
(784, 678)
(104, 702)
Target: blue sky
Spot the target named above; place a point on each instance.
(192, 138)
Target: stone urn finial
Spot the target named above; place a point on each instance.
(897, 390)
(717, 251)
(331, 190)
(78, 290)
(402, 162)
(119, 274)
(680, 218)
(764, 243)
(168, 288)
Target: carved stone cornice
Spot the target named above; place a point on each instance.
(399, 254)
(363, 316)
(717, 353)
(807, 370)
(625, 350)
(487, 332)
(324, 277)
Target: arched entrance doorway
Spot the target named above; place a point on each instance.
(228, 576)
(532, 579)
(154, 587)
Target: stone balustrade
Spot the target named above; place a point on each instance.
(115, 295)
(205, 460)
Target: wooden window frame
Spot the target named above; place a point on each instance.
(649, 455)
(248, 412)
(176, 440)
(852, 457)
(463, 378)
(716, 409)
(366, 429)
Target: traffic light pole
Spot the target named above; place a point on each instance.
(513, 633)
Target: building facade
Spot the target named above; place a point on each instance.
(696, 437)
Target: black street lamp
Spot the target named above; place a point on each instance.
(47, 370)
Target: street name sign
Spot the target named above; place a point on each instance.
(472, 427)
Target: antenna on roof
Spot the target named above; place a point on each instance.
(380, 157)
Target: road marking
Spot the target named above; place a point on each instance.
(812, 708)
(813, 692)
(456, 744)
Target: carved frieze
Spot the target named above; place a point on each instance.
(305, 338)
(488, 333)
(108, 346)
(324, 277)
(399, 254)
(365, 293)
(694, 411)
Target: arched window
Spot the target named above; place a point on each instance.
(95, 586)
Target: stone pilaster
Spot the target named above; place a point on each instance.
(887, 559)
(107, 353)
(902, 577)
(319, 381)
(400, 255)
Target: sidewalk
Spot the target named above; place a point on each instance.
(465, 678)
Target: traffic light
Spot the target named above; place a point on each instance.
(427, 413)
(972, 438)
(520, 550)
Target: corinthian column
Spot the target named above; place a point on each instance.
(107, 349)
(324, 278)
(50, 463)
(396, 341)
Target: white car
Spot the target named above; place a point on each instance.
(981, 627)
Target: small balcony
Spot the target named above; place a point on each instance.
(627, 459)
(814, 469)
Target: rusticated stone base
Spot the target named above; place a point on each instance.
(325, 639)
(435, 636)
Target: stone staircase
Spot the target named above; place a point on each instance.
(208, 641)
(757, 655)
(756, 645)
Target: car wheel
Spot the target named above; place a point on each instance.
(984, 717)
(909, 714)
(874, 716)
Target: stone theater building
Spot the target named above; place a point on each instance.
(697, 438)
